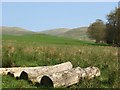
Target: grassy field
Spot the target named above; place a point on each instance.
(40, 49)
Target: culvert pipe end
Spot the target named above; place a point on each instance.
(24, 75)
(46, 81)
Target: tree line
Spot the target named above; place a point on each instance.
(106, 32)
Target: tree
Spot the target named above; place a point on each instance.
(113, 27)
(97, 31)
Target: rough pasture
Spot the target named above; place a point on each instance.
(36, 53)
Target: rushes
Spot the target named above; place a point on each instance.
(104, 57)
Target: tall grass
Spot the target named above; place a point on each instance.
(16, 53)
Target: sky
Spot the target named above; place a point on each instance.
(60, 0)
(39, 16)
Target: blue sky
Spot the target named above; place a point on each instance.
(38, 16)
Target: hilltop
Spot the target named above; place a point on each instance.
(15, 31)
(57, 31)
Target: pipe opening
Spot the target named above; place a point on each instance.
(46, 81)
(10, 74)
(24, 75)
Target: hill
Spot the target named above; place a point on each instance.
(57, 31)
(75, 33)
(15, 31)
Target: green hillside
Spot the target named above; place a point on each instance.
(15, 31)
(43, 39)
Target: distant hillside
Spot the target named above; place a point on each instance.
(75, 33)
(57, 31)
(15, 31)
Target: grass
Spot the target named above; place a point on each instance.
(37, 50)
(15, 83)
(38, 39)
